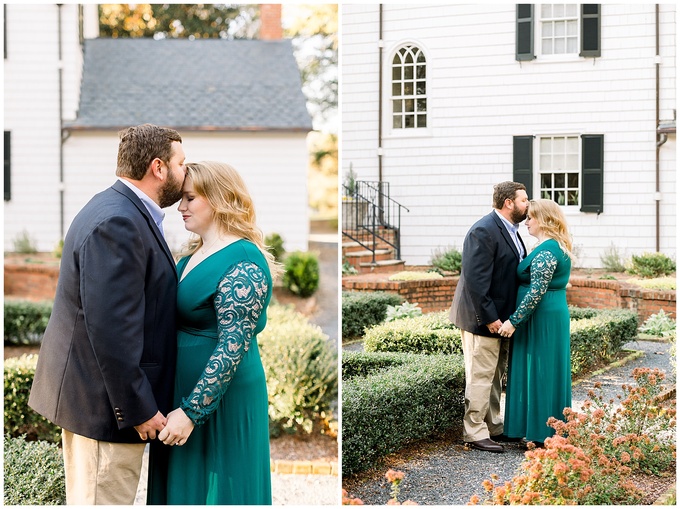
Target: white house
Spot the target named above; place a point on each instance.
(69, 92)
(576, 101)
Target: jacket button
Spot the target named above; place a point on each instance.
(120, 419)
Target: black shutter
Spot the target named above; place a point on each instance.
(592, 173)
(524, 43)
(8, 160)
(523, 162)
(590, 30)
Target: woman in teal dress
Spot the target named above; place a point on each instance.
(217, 440)
(539, 369)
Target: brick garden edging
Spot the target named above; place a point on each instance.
(437, 294)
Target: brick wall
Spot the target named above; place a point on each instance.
(32, 282)
(436, 295)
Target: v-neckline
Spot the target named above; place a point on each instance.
(182, 276)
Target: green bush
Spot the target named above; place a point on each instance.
(599, 339)
(25, 321)
(449, 260)
(659, 324)
(274, 243)
(431, 333)
(34, 473)
(363, 309)
(301, 368)
(405, 310)
(20, 419)
(382, 412)
(301, 273)
(650, 265)
(576, 313)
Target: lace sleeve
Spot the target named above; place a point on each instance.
(239, 302)
(542, 269)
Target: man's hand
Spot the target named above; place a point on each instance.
(507, 329)
(494, 326)
(178, 429)
(149, 428)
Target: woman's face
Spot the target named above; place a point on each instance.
(532, 225)
(195, 209)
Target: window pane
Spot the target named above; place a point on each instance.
(559, 180)
(546, 180)
(421, 105)
(408, 88)
(420, 88)
(421, 57)
(572, 27)
(420, 72)
(408, 72)
(572, 180)
(558, 11)
(546, 195)
(547, 29)
(572, 11)
(558, 162)
(545, 145)
(560, 46)
(422, 120)
(409, 58)
(409, 105)
(572, 145)
(572, 46)
(546, 47)
(560, 198)
(560, 29)
(546, 11)
(396, 73)
(396, 89)
(409, 121)
(572, 198)
(396, 123)
(546, 162)
(396, 106)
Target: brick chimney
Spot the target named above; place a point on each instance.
(270, 18)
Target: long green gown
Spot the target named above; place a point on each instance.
(220, 384)
(539, 369)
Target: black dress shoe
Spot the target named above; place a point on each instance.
(525, 444)
(504, 438)
(487, 445)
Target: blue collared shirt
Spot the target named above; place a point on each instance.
(514, 235)
(156, 212)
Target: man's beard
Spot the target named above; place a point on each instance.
(517, 216)
(171, 192)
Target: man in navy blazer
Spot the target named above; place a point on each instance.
(484, 298)
(106, 366)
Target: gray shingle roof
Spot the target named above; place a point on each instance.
(208, 84)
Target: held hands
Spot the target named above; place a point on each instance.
(178, 428)
(507, 329)
(494, 326)
(149, 428)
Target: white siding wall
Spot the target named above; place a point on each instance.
(274, 167)
(479, 97)
(31, 114)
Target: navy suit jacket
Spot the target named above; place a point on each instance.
(487, 287)
(107, 359)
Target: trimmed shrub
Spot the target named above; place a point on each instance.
(597, 340)
(432, 333)
(576, 313)
(391, 407)
(274, 243)
(34, 473)
(20, 419)
(650, 265)
(449, 260)
(364, 309)
(301, 368)
(364, 364)
(26, 321)
(301, 273)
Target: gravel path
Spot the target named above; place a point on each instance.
(443, 473)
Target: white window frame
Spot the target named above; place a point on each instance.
(389, 98)
(559, 165)
(554, 21)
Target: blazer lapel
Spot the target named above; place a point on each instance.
(130, 195)
(506, 235)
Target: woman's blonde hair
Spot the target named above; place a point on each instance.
(232, 207)
(552, 222)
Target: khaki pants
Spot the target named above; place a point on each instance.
(100, 473)
(485, 361)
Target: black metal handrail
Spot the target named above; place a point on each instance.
(370, 215)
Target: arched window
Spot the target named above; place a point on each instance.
(409, 89)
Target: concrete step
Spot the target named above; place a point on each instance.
(381, 266)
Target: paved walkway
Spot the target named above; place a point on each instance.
(446, 474)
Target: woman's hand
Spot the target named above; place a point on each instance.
(507, 329)
(178, 428)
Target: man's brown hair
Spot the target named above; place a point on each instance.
(504, 191)
(139, 145)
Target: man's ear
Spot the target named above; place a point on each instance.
(155, 168)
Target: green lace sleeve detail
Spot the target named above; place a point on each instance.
(239, 302)
(542, 269)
